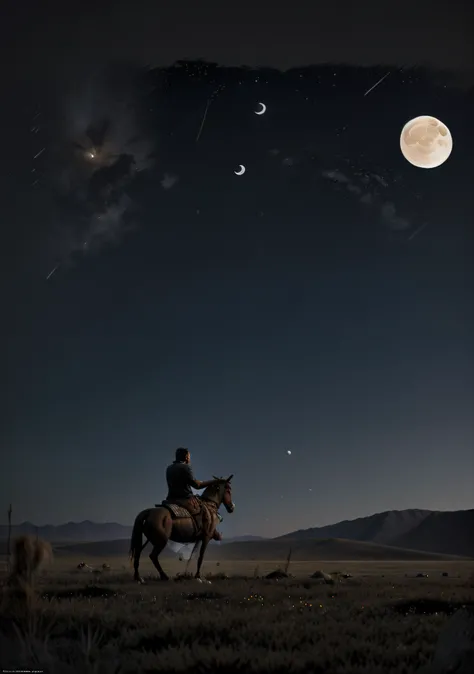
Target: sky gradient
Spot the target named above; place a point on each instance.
(242, 317)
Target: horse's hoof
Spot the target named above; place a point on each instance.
(165, 578)
(199, 580)
(140, 580)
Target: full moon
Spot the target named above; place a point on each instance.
(426, 142)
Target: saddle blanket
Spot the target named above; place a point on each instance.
(177, 511)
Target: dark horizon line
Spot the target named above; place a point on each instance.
(424, 68)
(382, 512)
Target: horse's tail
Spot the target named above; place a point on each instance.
(136, 540)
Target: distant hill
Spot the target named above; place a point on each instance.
(241, 539)
(449, 532)
(332, 549)
(427, 530)
(379, 528)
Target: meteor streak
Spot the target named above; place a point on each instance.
(377, 83)
(51, 272)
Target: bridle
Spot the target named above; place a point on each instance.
(227, 489)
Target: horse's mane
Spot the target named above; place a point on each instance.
(213, 489)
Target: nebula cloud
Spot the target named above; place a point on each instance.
(367, 194)
(101, 144)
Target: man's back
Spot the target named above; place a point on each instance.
(179, 477)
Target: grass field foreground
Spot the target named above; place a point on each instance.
(382, 619)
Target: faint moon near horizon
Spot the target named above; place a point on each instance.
(288, 451)
(262, 109)
(241, 170)
(426, 142)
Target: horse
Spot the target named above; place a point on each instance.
(158, 526)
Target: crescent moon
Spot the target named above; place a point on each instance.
(241, 172)
(262, 111)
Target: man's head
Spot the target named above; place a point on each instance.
(183, 455)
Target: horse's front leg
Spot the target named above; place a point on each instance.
(192, 555)
(204, 544)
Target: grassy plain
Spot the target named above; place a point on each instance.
(382, 619)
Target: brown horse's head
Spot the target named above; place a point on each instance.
(221, 493)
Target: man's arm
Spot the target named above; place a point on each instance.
(198, 484)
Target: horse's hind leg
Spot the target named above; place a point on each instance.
(157, 549)
(136, 564)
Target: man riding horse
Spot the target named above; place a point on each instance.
(182, 517)
(181, 482)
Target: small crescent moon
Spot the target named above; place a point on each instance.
(262, 111)
(241, 172)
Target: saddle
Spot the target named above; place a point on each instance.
(184, 507)
(188, 508)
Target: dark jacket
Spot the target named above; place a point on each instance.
(180, 478)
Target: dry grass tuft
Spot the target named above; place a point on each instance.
(28, 555)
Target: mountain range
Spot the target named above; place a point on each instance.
(447, 533)
(71, 531)
(425, 531)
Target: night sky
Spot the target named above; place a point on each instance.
(321, 303)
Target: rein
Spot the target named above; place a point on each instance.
(210, 503)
